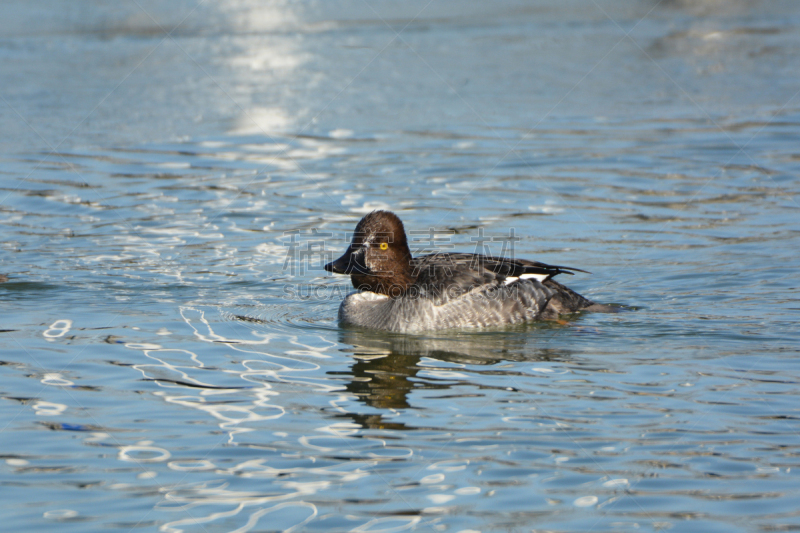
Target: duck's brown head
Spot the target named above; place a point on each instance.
(378, 258)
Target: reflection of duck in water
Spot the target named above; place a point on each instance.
(443, 291)
(386, 366)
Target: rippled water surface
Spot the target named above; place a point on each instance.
(172, 176)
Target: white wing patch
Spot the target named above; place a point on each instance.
(537, 277)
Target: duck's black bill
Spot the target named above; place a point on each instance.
(340, 266)
(347, 264)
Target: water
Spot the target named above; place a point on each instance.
(170, 356)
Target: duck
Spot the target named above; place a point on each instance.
(399, 293)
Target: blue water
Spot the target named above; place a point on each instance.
(173, 176)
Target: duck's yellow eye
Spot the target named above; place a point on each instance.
(384, 246)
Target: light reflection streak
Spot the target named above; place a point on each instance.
(244, 400)
(244, 502)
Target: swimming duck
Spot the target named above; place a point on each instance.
(400, 293)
